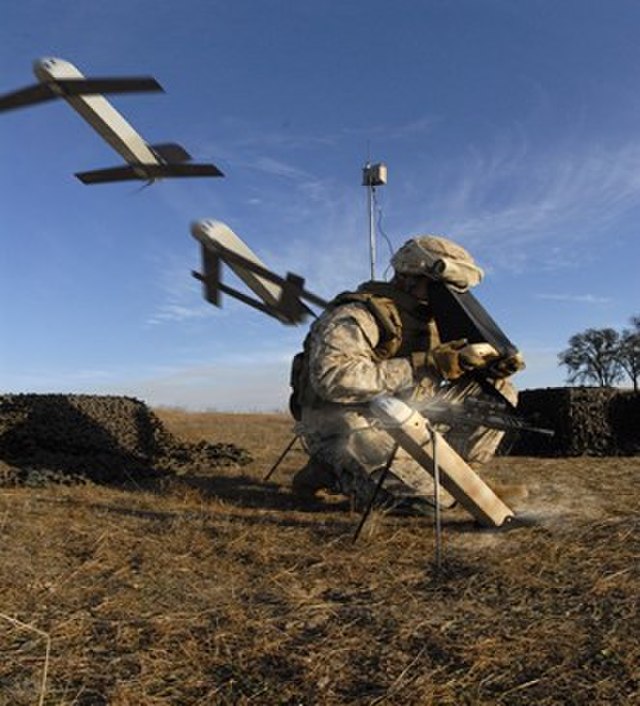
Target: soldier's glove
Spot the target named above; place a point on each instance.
(455, 358)
(420, 364)
(446, 359)
(506, 367)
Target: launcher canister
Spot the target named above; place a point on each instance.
(416, 436)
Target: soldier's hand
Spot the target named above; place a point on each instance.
(446, 359)
(420, 364)
(478, 355)
(455, 358)
(505, 367)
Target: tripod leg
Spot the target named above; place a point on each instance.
(374, 495)
(280, 458)
(436, 499)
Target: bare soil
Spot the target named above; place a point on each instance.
(213, 586)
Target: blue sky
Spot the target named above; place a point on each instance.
(511, 127)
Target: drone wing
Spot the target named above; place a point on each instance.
(41, 92)
(93, 86)
(148, 172)
(38, 93)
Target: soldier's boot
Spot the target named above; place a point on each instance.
(312, 478)
(414, 507)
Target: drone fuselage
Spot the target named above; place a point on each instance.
(98, 112)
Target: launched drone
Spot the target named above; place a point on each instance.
(61, 79)
(283, 298)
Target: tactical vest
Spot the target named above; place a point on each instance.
(404, 324)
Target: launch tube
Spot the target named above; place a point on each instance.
(414, 434)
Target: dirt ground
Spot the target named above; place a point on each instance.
(216, 587)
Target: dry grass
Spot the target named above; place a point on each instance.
(221, 589)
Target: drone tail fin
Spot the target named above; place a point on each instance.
(171, 153)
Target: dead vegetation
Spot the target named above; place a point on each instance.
(214, 587)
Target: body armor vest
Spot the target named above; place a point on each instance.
(405, 326)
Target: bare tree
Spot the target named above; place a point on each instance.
(593, 357)
(629, 356)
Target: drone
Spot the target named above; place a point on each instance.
(58, 78)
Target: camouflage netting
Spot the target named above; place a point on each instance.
(74, 438)
(590, 421)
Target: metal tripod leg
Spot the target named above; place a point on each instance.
(281, 458)
(436, 500)
(372, 499)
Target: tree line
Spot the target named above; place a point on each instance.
(604, 356)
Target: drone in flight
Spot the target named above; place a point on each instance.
(282, 298)
(58, 78)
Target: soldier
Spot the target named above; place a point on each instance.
(383, 339)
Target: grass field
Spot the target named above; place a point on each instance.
(219, 588)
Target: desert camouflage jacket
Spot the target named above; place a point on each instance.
(343, 365)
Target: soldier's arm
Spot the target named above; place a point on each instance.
(343, 365)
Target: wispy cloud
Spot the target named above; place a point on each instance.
(575, 298)
(278, 168)
(524, 205)
(179, 295)
(176, 312)
(411, 129)
(244, 135)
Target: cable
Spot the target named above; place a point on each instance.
(379, 214)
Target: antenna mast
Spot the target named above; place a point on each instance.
(373, 175)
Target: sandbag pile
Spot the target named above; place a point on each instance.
(591, 421)
(104, 439)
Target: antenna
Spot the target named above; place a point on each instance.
(373, 175)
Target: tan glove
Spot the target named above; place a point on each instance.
(455, 358)
(505, 367)
(478, 355)
(446, 359)
(420, 362)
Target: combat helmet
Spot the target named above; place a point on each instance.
(440, 259)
